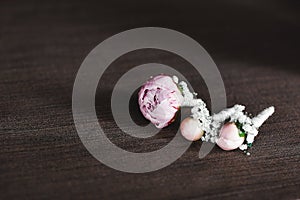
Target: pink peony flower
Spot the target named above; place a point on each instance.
(229, 138)
(159, 100)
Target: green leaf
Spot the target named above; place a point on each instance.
(180, 88)
(242, 134)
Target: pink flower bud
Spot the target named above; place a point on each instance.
(229, 137)
(159, 100)
(190, 129)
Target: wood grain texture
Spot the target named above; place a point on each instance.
(42, 44)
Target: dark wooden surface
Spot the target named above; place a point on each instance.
(42, 44)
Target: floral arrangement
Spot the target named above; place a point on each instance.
(162, 96)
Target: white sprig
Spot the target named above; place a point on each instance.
(262, 117)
